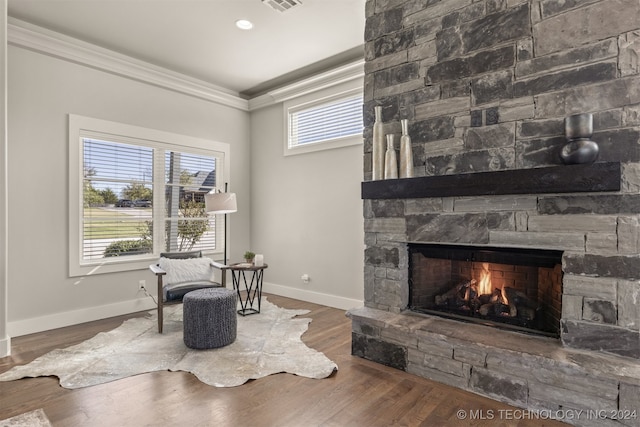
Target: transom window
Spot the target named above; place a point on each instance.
(140, 192)
(319, 121)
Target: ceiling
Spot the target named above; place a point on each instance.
(199, 37)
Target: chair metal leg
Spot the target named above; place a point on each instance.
(160, 305)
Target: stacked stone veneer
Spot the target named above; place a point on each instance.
(486, 86)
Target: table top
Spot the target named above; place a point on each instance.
(246, 266)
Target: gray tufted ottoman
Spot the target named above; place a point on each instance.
(209, 318)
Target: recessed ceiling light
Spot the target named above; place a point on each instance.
(243, 24)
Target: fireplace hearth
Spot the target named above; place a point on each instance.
(509, 288)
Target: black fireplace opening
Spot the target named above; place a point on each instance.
(510, 288)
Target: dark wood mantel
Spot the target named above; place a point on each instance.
(554, 179)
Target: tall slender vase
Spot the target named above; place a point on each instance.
(406, 152)
(390, 160)
(378, 145)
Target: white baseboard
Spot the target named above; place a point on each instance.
(59, 320)
(5, 346)
(334, 301)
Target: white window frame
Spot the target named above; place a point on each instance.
(86, 127)
(317, 98)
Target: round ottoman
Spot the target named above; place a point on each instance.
(209, 318)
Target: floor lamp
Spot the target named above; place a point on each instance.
(217, 202)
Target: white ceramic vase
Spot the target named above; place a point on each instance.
(406, 152)
(390, 160)
(378, 146)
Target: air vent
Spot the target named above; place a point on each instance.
(282, 5)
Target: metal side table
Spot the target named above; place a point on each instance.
(247, 278)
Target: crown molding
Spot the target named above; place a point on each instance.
(28, 36)
(336, 76)
(25, 35)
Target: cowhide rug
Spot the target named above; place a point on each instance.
(35, 418)
(267, 343)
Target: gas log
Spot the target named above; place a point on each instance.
(455, 294)
(508, 302)
(525, 307)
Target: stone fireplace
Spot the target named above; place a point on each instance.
(486, 86)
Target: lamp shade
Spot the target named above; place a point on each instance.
(220, 203)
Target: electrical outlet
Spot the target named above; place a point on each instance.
(142, 284)
(305, 278)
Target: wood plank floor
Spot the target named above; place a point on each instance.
(361, 393)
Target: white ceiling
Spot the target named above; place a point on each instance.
(199, 37)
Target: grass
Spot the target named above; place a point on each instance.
(100, 223)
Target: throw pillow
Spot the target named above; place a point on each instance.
(186, 270)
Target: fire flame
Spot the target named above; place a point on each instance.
(484, 285)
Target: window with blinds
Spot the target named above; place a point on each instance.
(319, 124)
(117, 179)
(118, 186)
(188, 178)
(139, 192)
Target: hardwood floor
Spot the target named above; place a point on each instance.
(361, 393)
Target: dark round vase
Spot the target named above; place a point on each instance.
(580, 149)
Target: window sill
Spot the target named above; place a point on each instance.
(323, 145)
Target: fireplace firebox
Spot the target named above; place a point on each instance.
(509, 288)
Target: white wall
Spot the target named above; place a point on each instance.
(302, 212)
(42, 91)
(306, 216)
(5, 339)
